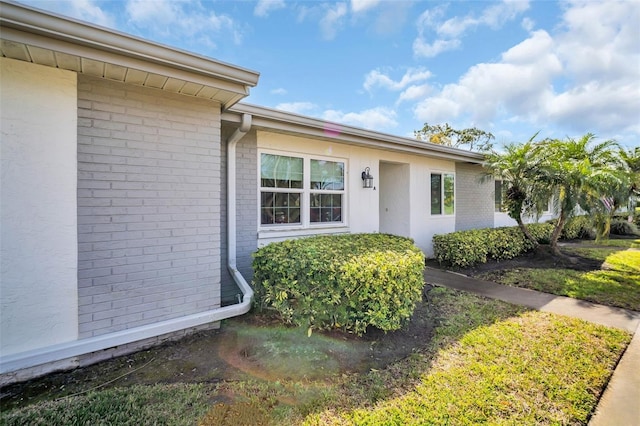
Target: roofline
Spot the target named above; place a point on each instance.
(36, 21)
(286, 122)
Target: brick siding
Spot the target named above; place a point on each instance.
(149, 174)
(474, 199)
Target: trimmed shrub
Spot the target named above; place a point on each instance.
(506, 243)
(623, 227)
(578, 227)
(348, 281)
(468, 248)
(541, 232)
(462, 248)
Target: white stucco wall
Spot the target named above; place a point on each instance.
(501, 219)
(363, 204)
(38, 236)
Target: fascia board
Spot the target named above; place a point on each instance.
(30, 39)
(284, 122)
(113, 43)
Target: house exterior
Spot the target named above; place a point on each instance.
(412, 181)
(135, 186)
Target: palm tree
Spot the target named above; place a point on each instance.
(632, 160)
(578, 172)
(517, 168)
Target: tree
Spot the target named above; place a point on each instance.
(632, 160)
(517, 168)
(578, 172)
(444, 134)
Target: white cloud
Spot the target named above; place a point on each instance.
(521, 82)
(497, 15)
(373, 119)
(296, 107)
(264, 7)
(392, 17)
(85, 10)
(279, 91)
(608, 106)
(583, 78)
(377, 78)
(600, 48)
(430, 18)
(528, 24)
(181, 21)
(333, 20)
(601, 40)
(428, 50)
(413, 93)
(363, 5)
(449, 32)
(494, 16)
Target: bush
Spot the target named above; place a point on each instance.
(506, 243)
(468, 248)
(463, 248)
(348, 281)
(577, 227)
(623, 227)
(541, 232)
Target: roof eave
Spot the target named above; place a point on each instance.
(285, 122)
(45, 30)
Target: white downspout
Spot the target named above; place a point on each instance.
(62, 351)
(247, 291)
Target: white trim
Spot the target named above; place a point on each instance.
(282, 234)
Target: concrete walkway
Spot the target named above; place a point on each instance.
(620, 403)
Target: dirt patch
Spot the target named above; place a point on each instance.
(253, 346)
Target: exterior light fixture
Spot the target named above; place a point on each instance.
(367, 179)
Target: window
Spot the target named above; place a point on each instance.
(299, 190)
(281, 183)
(500, 196)
(327, 186)
(442, 194)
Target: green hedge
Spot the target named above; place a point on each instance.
(468, 248)
(577, 227)
(349, 281)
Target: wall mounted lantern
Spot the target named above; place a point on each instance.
(367, 179)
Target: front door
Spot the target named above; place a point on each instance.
(394, 199)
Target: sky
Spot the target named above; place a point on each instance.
(513, 67)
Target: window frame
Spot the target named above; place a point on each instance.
(503, 193)
(306, 192)
(442, 196)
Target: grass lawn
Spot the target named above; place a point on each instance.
(487, 362)
(616, 284)
(531, 369)
(138, 405)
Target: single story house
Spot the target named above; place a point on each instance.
(135, 185)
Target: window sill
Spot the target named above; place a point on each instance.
(289, 232)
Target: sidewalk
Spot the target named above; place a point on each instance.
(620, 403)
